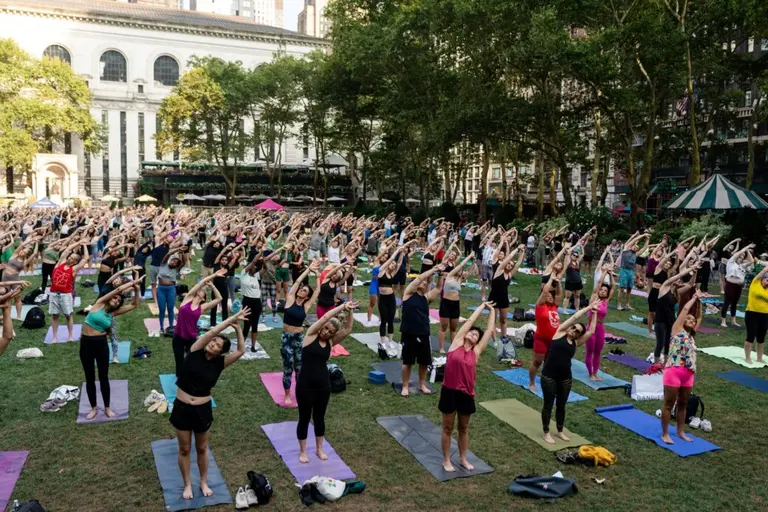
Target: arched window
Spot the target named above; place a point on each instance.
(113, 67)
(56, 51)
(166, 70)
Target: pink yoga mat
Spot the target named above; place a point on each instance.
(639, 293)
(338, 350)
(152, 324)
(273, 381)
(10, 470)
(62, 334)
(708, 330)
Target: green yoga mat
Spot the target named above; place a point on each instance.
(527, 421)
(734, 355)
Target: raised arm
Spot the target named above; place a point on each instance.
(590, 328)
(679, 324)
(564, 326)
(136, 299)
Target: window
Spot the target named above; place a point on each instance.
(166, 71)
(87, 166)
(113, 67)
(123, 156)
(764, 45)
(56, 51)
(141, 137)
(67, 143)
(510, 172)
(497, 173)
(141, 89)
(105, 154)
(751, 45)
(748, 98)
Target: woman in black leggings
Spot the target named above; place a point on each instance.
(223, 261)
(735, 274)
(556, 375)
(313, 386)
(387, 302)
(665, 316)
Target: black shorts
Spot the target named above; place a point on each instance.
(757, 325)
(450, 309)
(653, 298)
(640, 262)
(501, 301)
(192, 418)
(575, 286)
(426, 268)
(400, 279)
(416, 349)
(453, 400)
(350, 280)
(588, 259)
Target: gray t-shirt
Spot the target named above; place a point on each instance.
(167, 273)
(628, 259)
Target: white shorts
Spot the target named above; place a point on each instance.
(60, 303)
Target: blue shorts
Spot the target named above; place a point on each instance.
(626, 279)
(373, 288)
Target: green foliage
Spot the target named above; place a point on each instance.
(550, 224)
(708, 225)
(581, 219)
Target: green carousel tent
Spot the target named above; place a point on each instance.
(717, 193)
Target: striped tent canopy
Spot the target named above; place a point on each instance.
(717, 193)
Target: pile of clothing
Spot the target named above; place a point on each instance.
(29, 353)
(157, 402)
(321, 489)
(60, 397)
(612, 339)
(258, 491)
(588, 454)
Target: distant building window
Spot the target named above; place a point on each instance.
(748, 98)
(113, 67)
(56, 51)
(764, 45)
(166, 70)
(141, 89)
(751, 45)
(496, 173)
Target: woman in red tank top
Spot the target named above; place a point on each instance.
(547, 323)
(457, 395)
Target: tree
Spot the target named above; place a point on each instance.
(203, 116)
(41, 100)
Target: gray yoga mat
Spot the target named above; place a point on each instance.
(421, 438)
(118, 399)
(393, 373)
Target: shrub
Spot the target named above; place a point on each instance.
(708, 225)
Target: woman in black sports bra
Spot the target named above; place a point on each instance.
(313, 386)
(297, 304)
(387, 303)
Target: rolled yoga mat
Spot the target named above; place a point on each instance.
(649, 427)
(10, 470)
(745, 379)
(421, 438)
(734, 355)
(393, 372)
(166, 453)
(118, 403)
(630, 360)
(527, 421)
(580, 373)
(168, 383)
(62, 334)
(520, 377)
(632, 329)
(283, 438)
(273, 381)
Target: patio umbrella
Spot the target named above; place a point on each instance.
(303, 198)
(717, 193)
(44, 203)
(191, 197)
(411, 200)
(146, 199)
(215, 197)
(259, 197)
(269, 205)
(291, 200)
(109, 199)
(336, 199)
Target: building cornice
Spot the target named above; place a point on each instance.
(112, 20)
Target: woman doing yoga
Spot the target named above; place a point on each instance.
(8, 291)
(665, 313)
(457, 395)
(250, 287)
(594, 346)
(192, 411)
(502, 276)
(450, 305)
(191, 308)
(660, 275)
(387, 302)
(680, 370)
(313, 386)
(547, 323)
(756, 317)
(556, 374)
(735, 274)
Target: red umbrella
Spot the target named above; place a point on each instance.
(269, 205)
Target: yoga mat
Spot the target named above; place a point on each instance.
(363, 319)
(63, 334)
(283, 438)
(520, 377)
(277, 323)
(630, 360)
(632, 329)
(639, 293)
(156, 310)
(733, 354)
(472, 286)
(580, 373)
(527, 421)
(560, 310)
(152, 324)
(273, 381)
(123, 352)
(707, 330)
(649, 427)
(338, 350)
(393, 372)
(168, 383)
(166, 453)
(715, 321)
(118, 399)
(369, 339)
(147, 294)
(24, 310)
(485, 312)
(434, 314)
(435, 343)
(10, 470)
(421, 438)
(745, 379)
(88, 272)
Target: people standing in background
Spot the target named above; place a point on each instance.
(627, 269)
(725, 255)
(735, 274)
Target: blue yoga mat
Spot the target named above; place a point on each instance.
(745, 379)
(627, 327)
(123, 352)
(649, 427)
(519, 377)
(168, 383)
(580, 373)
(166, 454)
(564, 311)
(472, 308)
(277, 323)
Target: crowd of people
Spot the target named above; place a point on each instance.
(304, 268)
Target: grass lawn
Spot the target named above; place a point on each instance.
(110, 467)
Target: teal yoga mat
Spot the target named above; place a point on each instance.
(168, 383)
(580, 373)
(627, 327)
(123, 352)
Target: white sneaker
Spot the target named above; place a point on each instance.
(658, 413)
(250, 495)
(241, 501)
(153, 397)
(695, 422)
(650, 358)
(706, 426)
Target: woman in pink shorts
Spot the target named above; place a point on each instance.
(679, 370)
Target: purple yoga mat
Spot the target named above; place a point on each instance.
(62, 334)
(10, 470)
(630, 360)
(708, 330)
(88, 272)
(274, 383)
(152, 324)
(283, 438)
(118, 399)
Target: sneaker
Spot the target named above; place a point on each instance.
(650, 358)
(695, 422)
(241, 500)
(706, 426)
(49, 406)
(250, 495)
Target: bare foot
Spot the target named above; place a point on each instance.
(562, 436)
(466, 465)
(749, 360)
(532, 386)
(548, 438)
(630, 308)
(187, 494)
(71, 340)
(54, 341)
(598, 378)
(442, 351)
(321, 454)
(288, 400)
(424, 389)
(593, 377)
(667, 439)
(448, 467)
(735, 324)
(722, 324)
(619, 308)
(109, 412)
(684, 437)
(92, 414)
(405, 391)
(303, 458)
(206, 490)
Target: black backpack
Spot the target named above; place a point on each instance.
(534, 486)
(30, 297)
(261, 486)
(518, 315)
(30, 506)
(35, 319)
(338, 384)
(694, 401)
(528, 341)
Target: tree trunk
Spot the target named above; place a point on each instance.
(484, 180)
(518, 188)
(596, 161)
(540, 194)
(695, 176)
(604, 181)
(648, 148)
(402, 181)
(317, 172)
(633, 187)
(751, 143)
(553, 190)
(504, 174)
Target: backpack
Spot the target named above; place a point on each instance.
(338, 384)
(534, 486)
(694, 401)
(35, 319)
(30, 506)
(261, 486)
(142, 353)
(30, 297)
(528, 341)
(518, 315)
